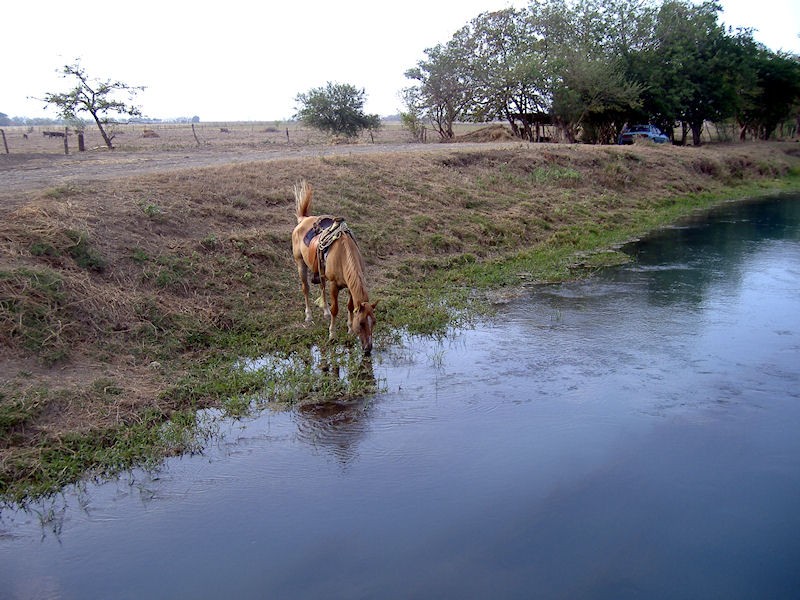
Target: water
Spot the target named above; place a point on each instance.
(631, 436)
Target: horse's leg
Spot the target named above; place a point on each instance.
(325, 311)
(350, 306)
(334, 309)
(302, 271)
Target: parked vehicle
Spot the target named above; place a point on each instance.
(650, 132)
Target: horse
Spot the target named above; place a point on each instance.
(324, 246)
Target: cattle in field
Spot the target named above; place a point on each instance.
(52, 134)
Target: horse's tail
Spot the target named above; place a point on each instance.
(302, 199)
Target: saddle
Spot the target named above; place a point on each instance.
(319, 239)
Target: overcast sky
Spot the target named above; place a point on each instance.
(243, 61)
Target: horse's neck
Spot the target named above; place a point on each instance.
(354, 271)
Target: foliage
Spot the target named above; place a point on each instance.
(594, 97)
(97, 97)
(593, 65)
(444, 92)
(774, 96)
(338, 108)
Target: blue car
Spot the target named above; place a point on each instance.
(650, 132)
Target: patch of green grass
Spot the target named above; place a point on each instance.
(18, 409)
(44, 249)
(61, 191)
(82, 253)
(151, 210)
(170, 272)
(554, 173)
(139, 256)
(32, 311)
(46, 468)
(210, 242)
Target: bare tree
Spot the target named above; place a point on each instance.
(97, 97)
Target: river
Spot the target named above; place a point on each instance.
(633, 435)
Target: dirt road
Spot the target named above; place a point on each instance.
(21, 173)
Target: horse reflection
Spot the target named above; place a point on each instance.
(339, 425)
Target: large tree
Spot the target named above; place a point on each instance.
(774, 96)
(594, 99)
(509, 69)
(692, 71)
(99, 98)
(444, 91)
(337, 108)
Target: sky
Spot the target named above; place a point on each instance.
(243, 61)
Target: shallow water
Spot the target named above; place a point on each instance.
(631, 436)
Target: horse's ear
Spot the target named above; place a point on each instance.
(374, 304)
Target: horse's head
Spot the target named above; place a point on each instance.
(363, 322)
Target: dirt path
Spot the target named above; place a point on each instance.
(23, 173)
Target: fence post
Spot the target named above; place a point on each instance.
(81, 144)
(5, 143)
(66, 143)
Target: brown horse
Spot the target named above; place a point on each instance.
(340, 265)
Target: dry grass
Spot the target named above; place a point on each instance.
(155, 137)
(114, 292)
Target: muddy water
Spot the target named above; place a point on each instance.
(632, 436)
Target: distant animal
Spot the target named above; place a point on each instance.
(324, 247)
(53, 134)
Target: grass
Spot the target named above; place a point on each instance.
(119, 319)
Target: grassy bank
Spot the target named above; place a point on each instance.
(128, 305)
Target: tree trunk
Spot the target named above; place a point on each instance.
(697, 132)
(106, 137)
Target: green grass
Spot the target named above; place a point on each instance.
(43, 469)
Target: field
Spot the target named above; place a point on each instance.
(134, 282)
(160, 137)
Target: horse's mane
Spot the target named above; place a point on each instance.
(353, 269)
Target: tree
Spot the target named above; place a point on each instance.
(591, 42)
(692, 72)
(97, 97)
(595, 99)
(445, 87)
(508, 69)
(775, 94)
(337, 108)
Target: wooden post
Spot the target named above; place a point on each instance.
(66, 142)
(5, 143)
(81, 144)
(194, 133)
